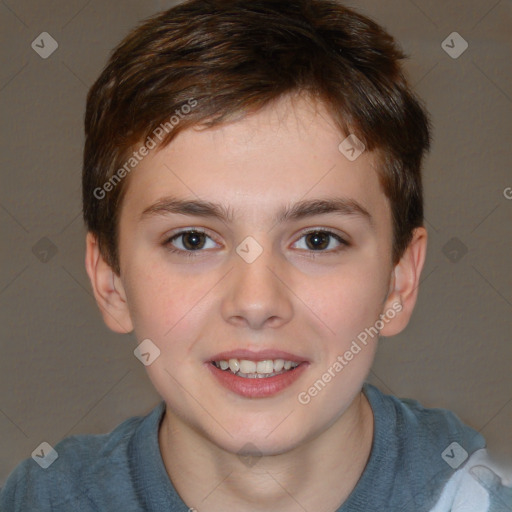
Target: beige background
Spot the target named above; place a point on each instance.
(62, 372)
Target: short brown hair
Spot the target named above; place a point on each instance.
(233, 57)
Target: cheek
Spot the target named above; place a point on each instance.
(348, 301)
(162, 303)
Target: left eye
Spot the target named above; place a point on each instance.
(321, 241)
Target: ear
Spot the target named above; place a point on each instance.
(108, 288)
(403, 288)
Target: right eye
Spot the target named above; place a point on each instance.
(189, 241)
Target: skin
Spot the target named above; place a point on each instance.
(192, 308)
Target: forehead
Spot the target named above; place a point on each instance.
(284, 153)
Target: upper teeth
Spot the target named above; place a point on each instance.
(264, 367)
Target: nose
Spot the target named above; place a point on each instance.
(256, 295)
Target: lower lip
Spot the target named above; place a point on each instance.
(259, 387)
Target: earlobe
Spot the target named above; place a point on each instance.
(108, 289)
(404, 284)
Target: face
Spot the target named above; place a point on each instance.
(257, 241)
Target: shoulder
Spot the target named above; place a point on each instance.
(435, 431)
(446, 461)
(81, 464)
(479, 485)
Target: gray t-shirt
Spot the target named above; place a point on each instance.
(422, 460)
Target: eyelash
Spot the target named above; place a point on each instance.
(189, 254)
(315, 254)
(310, 253)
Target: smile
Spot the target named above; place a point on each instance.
(249, 378)
(248, 369)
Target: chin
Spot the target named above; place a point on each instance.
(258, 440)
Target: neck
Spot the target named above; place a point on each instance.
(317, 475)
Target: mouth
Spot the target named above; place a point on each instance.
(248, 369)
(256, 375)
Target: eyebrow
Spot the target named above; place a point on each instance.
(297, 211)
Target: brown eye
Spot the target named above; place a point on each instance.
(320, 241)
(193, 240)
(189, 241)
(317, 240)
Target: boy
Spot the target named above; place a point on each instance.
(253, 198)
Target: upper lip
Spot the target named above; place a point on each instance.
(260, 355)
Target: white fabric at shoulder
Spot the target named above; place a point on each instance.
(478, 486)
